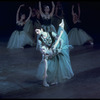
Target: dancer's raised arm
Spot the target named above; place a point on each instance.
(53, 8)
(72, 9)
(78, 10)
(17, 14)
(40, 9)
(29, 14)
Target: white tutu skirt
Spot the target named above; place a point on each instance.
(40, 70)
(59, 68)
(19, 39)
(78, 37)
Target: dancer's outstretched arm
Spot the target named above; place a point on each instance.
(29, 15)
(40, 9)
(79, 10)
(72, 9)
(17, 14)
(53, 8)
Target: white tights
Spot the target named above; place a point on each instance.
(45, 74)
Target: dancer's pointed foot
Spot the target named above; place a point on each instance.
(54, 83)
(62, 23)
(45, 84)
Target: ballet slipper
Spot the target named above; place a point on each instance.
(54, 83)
(45, 84)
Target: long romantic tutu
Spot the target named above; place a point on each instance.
(29, 29)
(19, 39)
(78, 37)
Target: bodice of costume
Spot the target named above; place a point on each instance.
(77, 25)
(46, 41)
(46, 22)
(19, 27)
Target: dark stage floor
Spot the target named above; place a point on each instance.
(18, 68)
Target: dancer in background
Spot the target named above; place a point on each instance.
(30, 26)
(19, 37)
(76, 35)
(58, 16)
(36, 21)
(55, 66)
(46, 17)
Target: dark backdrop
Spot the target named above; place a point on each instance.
(90, 16)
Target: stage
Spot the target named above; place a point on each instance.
(19, 66)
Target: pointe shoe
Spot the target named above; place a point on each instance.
(62, 23)
(45, 84)
(54, 83)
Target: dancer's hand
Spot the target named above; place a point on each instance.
(43, 50)
(59, 50)
(22, 5)
(30, 8)
(50, 52)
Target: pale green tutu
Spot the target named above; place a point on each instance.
(29, 29)
(78, 37)
(19, 39)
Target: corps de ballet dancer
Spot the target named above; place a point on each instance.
(19, 37)
(77, 36)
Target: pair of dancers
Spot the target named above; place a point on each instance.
(55, 66)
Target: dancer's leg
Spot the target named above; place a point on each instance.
(45, 74)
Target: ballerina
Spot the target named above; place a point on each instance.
(77, 36)
(46, 17)
(19, 37)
